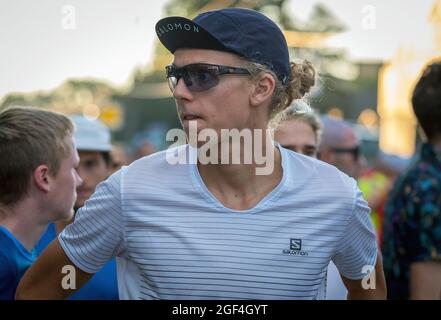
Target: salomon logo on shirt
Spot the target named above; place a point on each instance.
(295, 248)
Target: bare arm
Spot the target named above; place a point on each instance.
(372, 289)
(425, 280)
(46, 277)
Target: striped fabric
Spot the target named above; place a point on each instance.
(174, 240)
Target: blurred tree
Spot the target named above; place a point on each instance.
(73, 96)
(322, 20)
(349, 86)
(14, 99)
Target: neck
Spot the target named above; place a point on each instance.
(22, 220)
(241, 186)
(62, 224)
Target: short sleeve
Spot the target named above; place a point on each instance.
(97, 233)
(357, 248)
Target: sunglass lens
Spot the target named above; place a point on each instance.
(356, 153)
(200, 78)
(172, 82)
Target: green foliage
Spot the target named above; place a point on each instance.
(71, 96)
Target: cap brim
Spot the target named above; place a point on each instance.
(180, 32)
(94, 147)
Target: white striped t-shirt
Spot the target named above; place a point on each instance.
(174, 240)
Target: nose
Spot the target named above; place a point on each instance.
(78, 179)
(181, 90)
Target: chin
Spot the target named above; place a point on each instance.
(80, 200)
(79, 204)
(200, 125)
(67, 215)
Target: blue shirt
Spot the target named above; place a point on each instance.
(102, 286)
(14, 261)
(46, 238)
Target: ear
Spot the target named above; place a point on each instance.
(263, 89)
(42, 178)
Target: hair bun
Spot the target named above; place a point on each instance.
(303, 78)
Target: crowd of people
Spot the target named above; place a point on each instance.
(320, 225)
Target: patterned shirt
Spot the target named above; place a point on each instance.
(412, 226)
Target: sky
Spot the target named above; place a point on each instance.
(43, 43)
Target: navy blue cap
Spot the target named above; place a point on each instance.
(244, 32)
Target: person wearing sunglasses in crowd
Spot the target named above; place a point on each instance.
(340, 146)
(220, 230)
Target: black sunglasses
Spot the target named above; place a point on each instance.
(199, 76)
(355, 151)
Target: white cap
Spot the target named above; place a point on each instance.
(91, 135)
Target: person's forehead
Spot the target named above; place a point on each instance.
(184, 56)
(298, 126)
(69, 141)
(297, 132)
(73, 154)
(87, 154)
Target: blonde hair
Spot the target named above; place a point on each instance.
(301, 111)
(301, 81)
(29, 137)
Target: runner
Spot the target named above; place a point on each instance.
(210, 230)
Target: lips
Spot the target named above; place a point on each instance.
(189, 117)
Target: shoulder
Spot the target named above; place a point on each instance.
(8, 278)
(6, 260)
(162, 160)
(7, 245)
(5, 263)
(317, 172)
(418, 182)
(162, 166)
